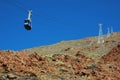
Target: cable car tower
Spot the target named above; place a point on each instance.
(111, 29)
(100, 37)
(108, 33)
(28, 21)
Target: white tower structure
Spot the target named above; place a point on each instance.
(111, 29)
(108, 33)
(100, 37)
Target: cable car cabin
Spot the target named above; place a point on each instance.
(27, 24)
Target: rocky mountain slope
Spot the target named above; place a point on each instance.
(88, 46)
(68, 60)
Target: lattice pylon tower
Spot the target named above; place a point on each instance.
(108, 33)
(111, 29)
(100, 37)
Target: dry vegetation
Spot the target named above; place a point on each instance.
(88, 46)
(68, 60)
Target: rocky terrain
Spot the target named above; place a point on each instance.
(68, 60)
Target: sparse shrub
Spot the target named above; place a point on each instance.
(48, 57)
(76, 59)
(58, 63)
(63, 70)
(56, 55)
(85, 79)
(91, 66)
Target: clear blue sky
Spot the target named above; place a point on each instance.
(54, 21)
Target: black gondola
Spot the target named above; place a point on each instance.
(28, 22)
(27, 25)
